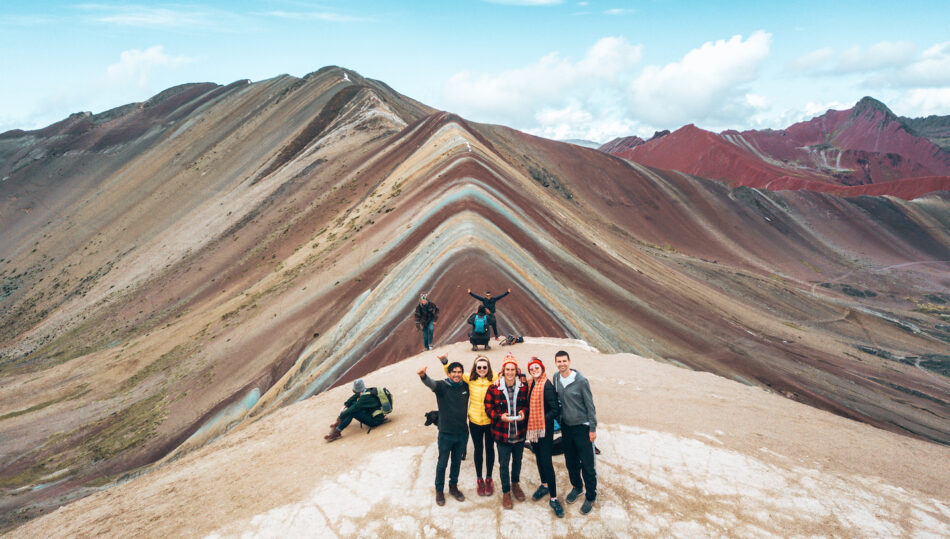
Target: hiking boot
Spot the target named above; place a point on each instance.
(588, 505)
(558, 510)
(573, 494)
(516, 490)
(489, 487)
(335, 424)
(481, 487)
(474, 347)
(487, 347)
(456, 493)
(439, 498)
(506, 501)
(540, 493)
(333, 436)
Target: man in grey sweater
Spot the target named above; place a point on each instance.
(578, 430)
(451, 394)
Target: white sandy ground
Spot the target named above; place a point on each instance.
(684, 454)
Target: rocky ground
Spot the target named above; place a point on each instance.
(684, 454)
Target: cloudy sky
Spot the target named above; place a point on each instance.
(562, 69)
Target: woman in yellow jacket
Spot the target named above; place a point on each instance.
(479, 424)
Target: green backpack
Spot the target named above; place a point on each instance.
(385, 400)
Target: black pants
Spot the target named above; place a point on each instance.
(543, 457)
(363, 416)
(494, 327)
(579, 458)
(509, 452)
(481, 439)
(451, 447)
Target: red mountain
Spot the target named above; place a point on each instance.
(862, 146)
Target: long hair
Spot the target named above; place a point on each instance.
(474, 374)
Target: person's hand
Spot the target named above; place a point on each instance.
(509, 290)
(469, 290)
(521, 416)
(421, 372)
(504, 416)
(593, 436)
(443, 357)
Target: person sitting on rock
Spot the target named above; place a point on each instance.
(364, 405)
(480, 323)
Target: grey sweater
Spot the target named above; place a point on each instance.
(577, 403)
(453, 404)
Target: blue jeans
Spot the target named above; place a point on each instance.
(427, 335)
(453, 444)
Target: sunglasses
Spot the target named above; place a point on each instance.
(481, 368)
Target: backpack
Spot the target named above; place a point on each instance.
(481, 323)
(385, 400)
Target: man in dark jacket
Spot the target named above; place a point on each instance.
(363, 406)
(578, 430)
(426, 314)
(451, 394)
(489, 302)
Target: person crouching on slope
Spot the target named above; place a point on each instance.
(451, 394)
(363, 406)
(543, 408)
(479, 425)
(506, 403)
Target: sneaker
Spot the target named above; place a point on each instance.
(588, 505)
(456, 493)
(480, 489)
(439, 498)
(333, 436)
(489, 487)
(540, 493)
(517, 492)
(558, 510)
(506, 501)
(487, 347)
(573, 494)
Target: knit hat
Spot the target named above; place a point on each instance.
(359, 386)
(538, 361)
(509, 359)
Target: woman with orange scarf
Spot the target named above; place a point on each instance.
(543, 408)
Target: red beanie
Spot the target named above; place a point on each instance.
(538, 361)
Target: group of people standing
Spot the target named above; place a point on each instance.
(426, 314)
(515, 409)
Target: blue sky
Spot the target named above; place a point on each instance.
(589, 69)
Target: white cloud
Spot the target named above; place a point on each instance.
(515, 95)
(324, 16)
(923, 102)
(134, 66)
(812, 61)
(931, 69)
(526, 2)
(878, 56)
(704, 85)
(619, 11)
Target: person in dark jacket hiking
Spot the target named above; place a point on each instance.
(506, 403)
(426, 315)
(489, 302)
(365, 406)
(480, 322)
(543, 408)
(578, 430)
(451, 395)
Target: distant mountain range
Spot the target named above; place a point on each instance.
(863, 150)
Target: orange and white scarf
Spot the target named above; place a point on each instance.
(536, 409)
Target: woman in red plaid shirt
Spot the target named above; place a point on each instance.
(506, 403)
